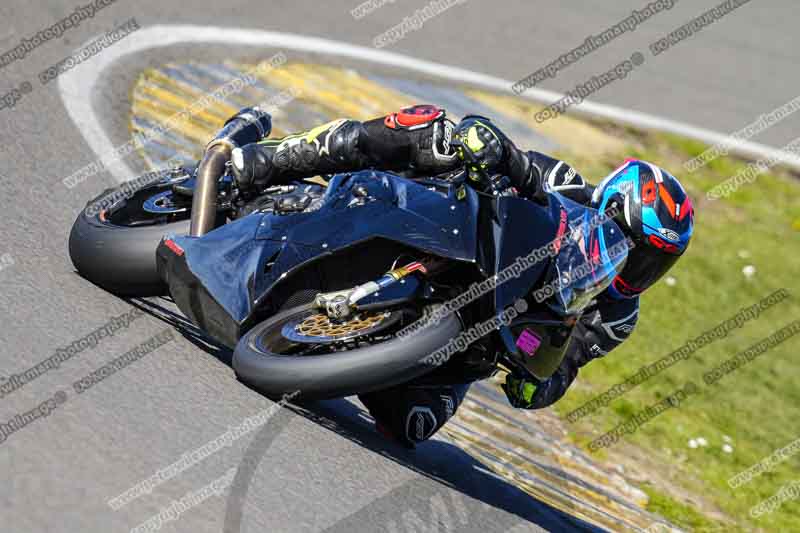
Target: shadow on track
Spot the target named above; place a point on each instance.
(453, 490)
(183, 326)
(493, 505)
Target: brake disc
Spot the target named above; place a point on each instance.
(319, 328)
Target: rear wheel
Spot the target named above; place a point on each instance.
(114, 245)
(303, 351)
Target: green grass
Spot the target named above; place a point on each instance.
(678, 512)
(758, 406)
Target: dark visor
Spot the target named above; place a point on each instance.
(645, 266)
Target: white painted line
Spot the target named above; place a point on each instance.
(76, 86)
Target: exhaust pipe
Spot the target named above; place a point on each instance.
(204, 203)
(248, 126)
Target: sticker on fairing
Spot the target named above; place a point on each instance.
(528, 342)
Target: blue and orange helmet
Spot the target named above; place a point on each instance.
(655, 212)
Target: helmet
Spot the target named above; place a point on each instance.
(655, 212)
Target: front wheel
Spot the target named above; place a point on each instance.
(301, 351)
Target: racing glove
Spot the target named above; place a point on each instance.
(526, 394)
(486, 150)
(520, 392)
(479, 145)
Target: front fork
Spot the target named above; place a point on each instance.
(397, 285)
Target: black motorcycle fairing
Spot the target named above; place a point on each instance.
(232, 269)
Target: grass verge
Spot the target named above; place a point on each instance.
(755, 409)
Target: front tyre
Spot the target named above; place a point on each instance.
(277, 357)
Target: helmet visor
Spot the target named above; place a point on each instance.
(644, 267)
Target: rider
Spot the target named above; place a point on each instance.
(656, 213)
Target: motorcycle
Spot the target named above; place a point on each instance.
(371, 280)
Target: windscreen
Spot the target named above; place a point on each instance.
(590, 254)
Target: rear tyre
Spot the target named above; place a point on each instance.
(115, 247)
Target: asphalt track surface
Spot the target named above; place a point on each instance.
(318, 467)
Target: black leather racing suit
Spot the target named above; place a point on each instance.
(414, 411)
